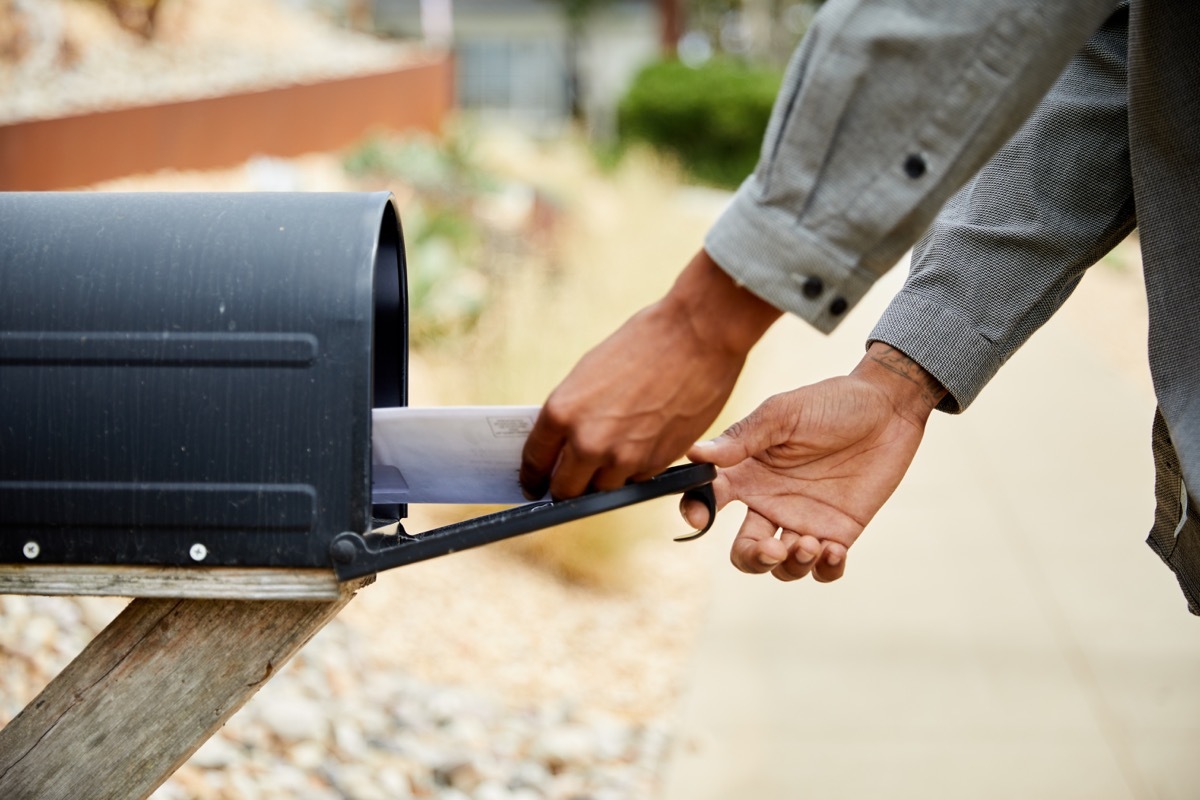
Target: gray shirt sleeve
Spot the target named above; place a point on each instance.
(1011, 246)
(887, 107)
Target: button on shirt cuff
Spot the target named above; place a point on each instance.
(768, 252)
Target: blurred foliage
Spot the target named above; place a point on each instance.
(443, 236)
(446, 294)
(760, 31)
(711, 117)
(445, 168)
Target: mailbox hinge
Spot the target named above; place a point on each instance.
(355, 555)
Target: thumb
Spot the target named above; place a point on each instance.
(761, 429)
(723, 451)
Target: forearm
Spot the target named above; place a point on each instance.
(887, 108)
(1009, 248)
(712, 307)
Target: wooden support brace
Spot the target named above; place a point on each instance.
(208, 583)
(149, 690)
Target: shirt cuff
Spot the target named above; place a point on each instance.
(944, 343)
(768, 252)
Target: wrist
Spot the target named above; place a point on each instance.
(717, 310)
(913, 391)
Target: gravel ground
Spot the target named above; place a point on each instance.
(476, 676)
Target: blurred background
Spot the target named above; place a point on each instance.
(1002, 631)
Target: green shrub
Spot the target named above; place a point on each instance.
(447, 290)
(712, 117)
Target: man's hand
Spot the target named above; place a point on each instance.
(814, 465)
(641, 397)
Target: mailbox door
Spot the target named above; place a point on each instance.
(188, 378)
(354, 555)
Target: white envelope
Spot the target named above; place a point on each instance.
(453, 454)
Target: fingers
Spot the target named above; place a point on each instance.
(720, 451)
(541, 453)
(832, 564)
(790, 557)
(551, 462)
(803, 552)
(558, 465)
(573, 475)
(694, 512)
(825, 561)
(755, 549)
(628, 464)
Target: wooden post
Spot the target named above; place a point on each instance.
(149, 690)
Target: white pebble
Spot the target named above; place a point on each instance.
(348, 736)
(525, 793)
(491, 790)
(39, 634)
(358, 783)
(571, 744)
(292, 717)
(217, 753)
(394, 782)
(308, 755)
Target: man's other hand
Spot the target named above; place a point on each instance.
(814, 465)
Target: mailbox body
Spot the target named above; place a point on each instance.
(188, 379)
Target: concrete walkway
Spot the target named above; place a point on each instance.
(1002, 631)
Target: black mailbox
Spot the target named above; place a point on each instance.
(188, 379)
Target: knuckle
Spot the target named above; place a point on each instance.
(588, 448)
(557, 413)
(735, 430)
(628, 460)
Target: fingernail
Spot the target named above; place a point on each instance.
(767, 561)
(833, 559)
(805, 556)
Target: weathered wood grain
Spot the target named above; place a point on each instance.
(148, 691)
(246, 583)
